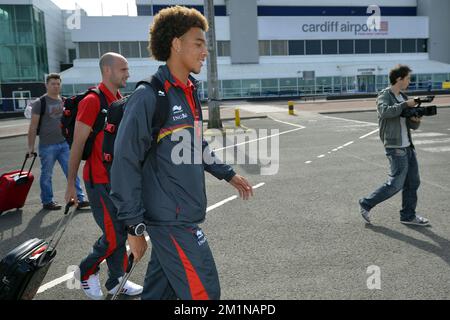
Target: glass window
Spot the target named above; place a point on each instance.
(23, 12)
(362, 46)
(231, 88)
(324, 84)
(7, 24)
(422, 45)
(378, 46)
(278, 47)
(269, 87)
(409, 45)
(130, 49)
(223, 49)
(109, 47)
(264, 48)
(440, 77)
(88, 50)
(72, 53)
(67, 90)
(24, 32)
(313, 47)
(80, 88)
(145, 51)
(337, 84)
(251, 87)
(346, 47)
(329, 47)
(393, 46)
(288, 86)
(296, 47)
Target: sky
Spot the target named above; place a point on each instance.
(94, 7)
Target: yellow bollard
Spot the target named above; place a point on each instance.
(291, 107)
(237, 117)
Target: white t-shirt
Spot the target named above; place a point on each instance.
(405, 140)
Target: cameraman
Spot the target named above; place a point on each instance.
(396, 137)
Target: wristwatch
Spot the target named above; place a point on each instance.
(137, 230)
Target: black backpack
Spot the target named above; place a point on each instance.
(115, 114)
(69, 118)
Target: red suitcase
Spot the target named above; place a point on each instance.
(14, 187)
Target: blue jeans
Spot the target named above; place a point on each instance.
(404, 176)
(49, 154)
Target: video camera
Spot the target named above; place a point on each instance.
(420, 111)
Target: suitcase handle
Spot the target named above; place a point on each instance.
(61, 228)
(125, 277)
(27, 155)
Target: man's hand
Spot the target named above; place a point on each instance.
(71, 194)
(138, 246)
(243, 186)
(411, 103)
(30, 152)
(416, 119)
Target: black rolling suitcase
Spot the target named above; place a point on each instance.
(24, 268)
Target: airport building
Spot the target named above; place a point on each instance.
(286, 48)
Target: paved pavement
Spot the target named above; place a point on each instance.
(301, 236)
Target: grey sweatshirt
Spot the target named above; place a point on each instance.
(389, 111)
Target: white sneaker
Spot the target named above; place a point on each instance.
(129, 289)
(92, 287)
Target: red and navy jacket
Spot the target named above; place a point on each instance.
(165, 186)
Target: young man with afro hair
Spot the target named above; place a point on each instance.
(152, 190)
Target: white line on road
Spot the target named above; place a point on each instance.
(321, 156)
(308, 162)
(254, 140)
(357, 121)
(348, 143)
(291, 124)
(70, 275)
(421, 142)
(428, 135)
(369, 134)
(436, 150)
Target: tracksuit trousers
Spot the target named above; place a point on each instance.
(112, 244)
(181, 265)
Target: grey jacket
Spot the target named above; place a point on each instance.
(389, 111)
(149, 186)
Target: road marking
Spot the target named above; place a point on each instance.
(291, 124)
(357, 121)
(436, 150)
(428, 135)
(263, 138)
(70, 275)
(321, 156)
(308, 162)
(348, 143)
(420, 142)
(369, 134)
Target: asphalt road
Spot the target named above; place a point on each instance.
(301, 235)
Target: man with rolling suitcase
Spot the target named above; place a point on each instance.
(45, 122)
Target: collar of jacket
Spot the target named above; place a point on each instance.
(165, 72)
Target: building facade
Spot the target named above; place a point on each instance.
(286, 47)
(281, 47)
(31, 46)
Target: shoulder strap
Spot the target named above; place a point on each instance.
(162, 102)
(43, 102)
(160, 116)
